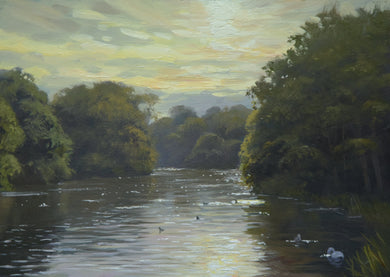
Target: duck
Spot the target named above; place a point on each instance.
(298, 238)
(335, 258)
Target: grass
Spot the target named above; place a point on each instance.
(372, 260)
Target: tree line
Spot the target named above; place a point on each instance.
(322, 111)
(97, 131)
(183, 139)
(105, 130)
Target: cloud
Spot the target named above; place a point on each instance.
(105, 8)
(204, 69)
(135, 34)
(88, 14)
(178, 46)
(37, 72)
(165, 36)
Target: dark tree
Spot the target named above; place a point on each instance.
(108, 129)
(322, 121)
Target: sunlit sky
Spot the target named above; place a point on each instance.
(173, 46)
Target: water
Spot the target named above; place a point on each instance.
(172, 223)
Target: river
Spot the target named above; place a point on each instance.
(176, 222)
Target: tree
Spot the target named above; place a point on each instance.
(175, 136)
(212, 151)
(323, 107)
(180, 113)
(207, 152)
(40, 150)
(11, 137)
(108, 129)
(186, 140)
(228, 123)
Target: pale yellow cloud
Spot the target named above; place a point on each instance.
(88, 14)
(106, 38)
(135, 34)
(165, 36)
(38, 72)
(157, 52)
(204, 69)
(20, 44)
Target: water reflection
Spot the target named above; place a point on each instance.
(173, 223)
(26, 240)
(283, 219)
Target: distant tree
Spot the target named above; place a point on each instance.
(191, 129)
(165, 143)
(190, 141)
(228, 123)
(180, 113)
(211, 111)
(108, 129)
(35, 147)
(207, 152)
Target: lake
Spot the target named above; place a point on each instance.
(175, 222)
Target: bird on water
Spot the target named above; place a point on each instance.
(335, 258)
(298, 238)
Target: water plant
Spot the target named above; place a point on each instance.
(372, 260)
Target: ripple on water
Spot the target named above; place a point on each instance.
(21, 194)
(131, 207)
(91, 200)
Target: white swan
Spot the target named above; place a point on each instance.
(335, 258)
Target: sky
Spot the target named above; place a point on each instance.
(183, 50)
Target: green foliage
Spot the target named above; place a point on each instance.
(212, 141)
(212, 151)
(323, 108)
(227, 123)
(207, 152)
(191, 129)
(108, 129)
(360, 146)
(372, 260)
(9, 166)
(11, 137)
(32, 141)
(180, 113)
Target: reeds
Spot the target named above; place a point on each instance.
(372, 260)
